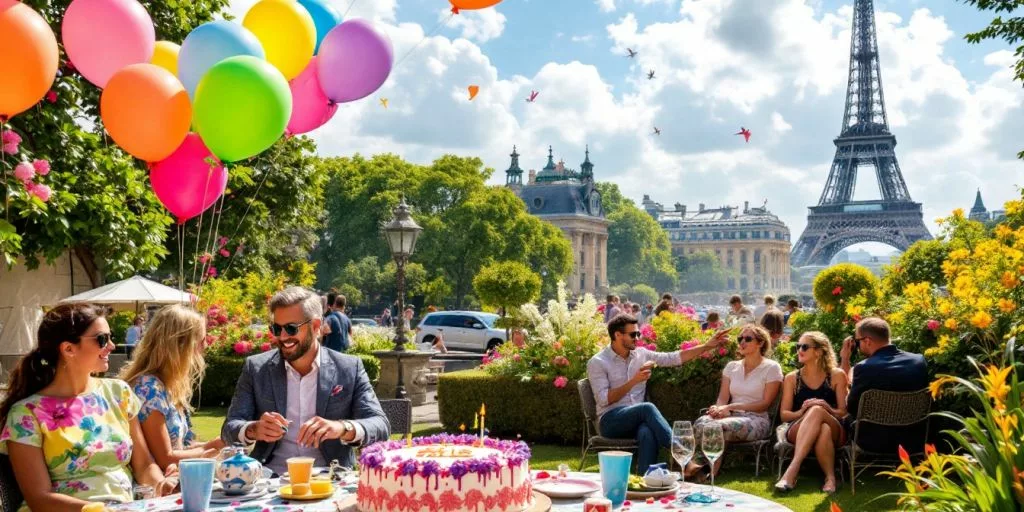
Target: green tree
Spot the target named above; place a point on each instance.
(506, 285)
(1010, 30)
(701, 272)
(641, 293)
(638, 248)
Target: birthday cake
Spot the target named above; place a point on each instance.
(445, 473)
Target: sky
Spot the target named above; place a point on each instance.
(776, 67)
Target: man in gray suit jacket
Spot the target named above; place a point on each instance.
(302, 400)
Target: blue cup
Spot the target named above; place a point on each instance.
(196, 483)
(615, 475)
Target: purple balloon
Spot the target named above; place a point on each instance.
(354, 60)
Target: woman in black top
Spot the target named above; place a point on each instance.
(813, 401)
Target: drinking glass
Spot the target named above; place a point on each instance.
(196, 483)
(683, 446)
(712, 444)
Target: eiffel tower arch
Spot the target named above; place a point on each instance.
(864, 141)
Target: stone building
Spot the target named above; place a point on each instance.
(981, 214)
(753, 245)
(570, 200)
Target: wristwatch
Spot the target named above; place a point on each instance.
(346, 426)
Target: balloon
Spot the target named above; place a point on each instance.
(311, 108)
(471, 5)
(165, 55)
(209, 44)
(146, 111)
(103, 36)
(190, 180)
(242, 107)
(28, 58)
(473, 90)
(325, 17)
(355, 59)
(286, 31)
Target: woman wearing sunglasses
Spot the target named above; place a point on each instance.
(73, 438)
(813, 401)
(166, 368)
(748, 390)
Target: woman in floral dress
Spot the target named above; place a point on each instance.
(166, 367)
(73, 438)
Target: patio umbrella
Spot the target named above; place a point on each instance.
(131, 293)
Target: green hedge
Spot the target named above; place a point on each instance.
(538, 411)
(222, 374)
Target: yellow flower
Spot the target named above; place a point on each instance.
(943, 341)
(936, 385)
(995, 383)
(959, 254)
(984, 303)
(1007, 422)
(1009, 279)
(950, 324)
(1007, 306)
(981, 320)
(1013, 207)
(1003, 231)
(958, 213)
(945, 307)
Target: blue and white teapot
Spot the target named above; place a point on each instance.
(238, 472)
(658, 476)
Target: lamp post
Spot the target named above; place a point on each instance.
(401, 233)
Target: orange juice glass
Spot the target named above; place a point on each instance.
(299, 469)
(320, 486)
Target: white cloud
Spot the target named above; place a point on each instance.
(606, 5)
(587, 38)
(609, 5)
(479, 25)
(779, 123)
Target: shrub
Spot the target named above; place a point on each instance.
(366, 340)
(119, 324)
(836, 285)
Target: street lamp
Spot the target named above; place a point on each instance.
(401, 233)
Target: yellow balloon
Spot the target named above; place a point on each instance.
(287, 33)
(165, 55)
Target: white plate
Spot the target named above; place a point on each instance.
(565, 487)
(220, 497)
(668, 491)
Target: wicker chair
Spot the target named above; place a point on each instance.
(889, 409)
(10, 493)
(596, 442)
(399, 413)
(760, 445)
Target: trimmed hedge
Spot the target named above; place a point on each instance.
(538, 411)
(222, 374)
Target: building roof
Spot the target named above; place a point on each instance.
(724, 216)
(561, 199)
(979, 206)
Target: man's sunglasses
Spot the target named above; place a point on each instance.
(102, 339)
(635, 335)
(291, 328)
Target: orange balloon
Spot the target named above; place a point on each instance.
(471, 5)
(146, 111)
(28, 58)
(473, 90)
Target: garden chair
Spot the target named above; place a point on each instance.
(888, 409)
(596, 442)
(784, 453)
(399, 413)
(10, 493)
(760, 445)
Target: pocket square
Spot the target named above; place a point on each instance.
(336, 390)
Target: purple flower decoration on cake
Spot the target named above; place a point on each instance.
(458, 469)
(408, 467)
(430, 468)
(336, 390)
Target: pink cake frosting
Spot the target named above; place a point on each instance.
(445, 473)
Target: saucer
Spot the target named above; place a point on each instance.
(220, 497)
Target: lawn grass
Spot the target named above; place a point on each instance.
(806, 497)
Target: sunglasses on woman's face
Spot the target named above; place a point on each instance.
(291, 328)
(102, 339)
(805, 347)
(746, 339)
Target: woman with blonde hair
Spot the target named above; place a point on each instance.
(168, 365)
(813, 403)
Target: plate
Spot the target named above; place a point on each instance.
(565, 487)
(667, 491)
(219, 496)
(540, 503)
(286, 492)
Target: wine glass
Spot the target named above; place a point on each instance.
(712, 444)
(683, 446)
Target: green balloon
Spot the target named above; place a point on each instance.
(242, 106)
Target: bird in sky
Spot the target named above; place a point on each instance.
(650, 75)
(745, 133)
(631, 53)
(657, 131)
(384, 102)
(533, 97)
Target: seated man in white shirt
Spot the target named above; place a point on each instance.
(618, 376)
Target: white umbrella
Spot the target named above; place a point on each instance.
(133, 291)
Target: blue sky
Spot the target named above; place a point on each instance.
(777, 67)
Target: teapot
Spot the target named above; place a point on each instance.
(238, 472)
(659, 476)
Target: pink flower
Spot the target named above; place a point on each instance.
(57, 413)
(260, 334)
(51, 96)
(9, 137)
(42, 167)
(265, 347)
(722, 351)
(515, 357)
(10, 148)
(837, 290)
(243, 347)
(205, 258)
(561, 381)
(24, 172)
(212, 272)
(560, 361)
(933, 325)
(600, 309)
(224, 253)
(647, 331)
(222, 241)
(557, 345)
(43, 192)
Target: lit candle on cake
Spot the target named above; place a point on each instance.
(483, 415)
(408, 440)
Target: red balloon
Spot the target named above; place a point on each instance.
(471, 5)
(190, 180)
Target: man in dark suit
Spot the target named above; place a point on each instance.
(889, 369)
(302, 400)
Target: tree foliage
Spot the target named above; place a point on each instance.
(641, 293)
(506, 285)
(376, 284)
(638, 248)
(1010, 30)
(701, 272)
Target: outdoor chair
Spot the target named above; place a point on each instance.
(760, 445)
(784, 452)
(888, 409)
(10, 493)
(592, 438)
(399, 413)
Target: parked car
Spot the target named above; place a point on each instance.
(363, 320)
(464, 330)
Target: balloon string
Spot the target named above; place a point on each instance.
(247, 208)
(218, 214)
(425, 37)
(7, 182)
(199, 230)
(181, 257)
(349, 8)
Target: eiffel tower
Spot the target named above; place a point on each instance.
(838, 221)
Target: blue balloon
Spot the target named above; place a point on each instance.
(325, 17)
(211, 43)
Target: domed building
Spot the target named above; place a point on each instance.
(570, 200)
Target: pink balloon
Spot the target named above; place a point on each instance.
(190, 180)
(311, 108)
(103, 36)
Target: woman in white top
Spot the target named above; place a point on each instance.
(749, 387)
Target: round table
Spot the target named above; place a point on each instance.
(344, 498)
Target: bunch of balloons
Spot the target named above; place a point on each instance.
(227, 93)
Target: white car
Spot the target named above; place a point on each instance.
(463, 330)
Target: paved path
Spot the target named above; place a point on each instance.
(427, 413)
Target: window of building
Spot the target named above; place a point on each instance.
(743, 235)
(757, 255)
(704, 235)
(731, 283)
(755, 235)
(766, 235)
(743, 283)
(538, 202)
(583, 260)
(583, 281)
(717, 235)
